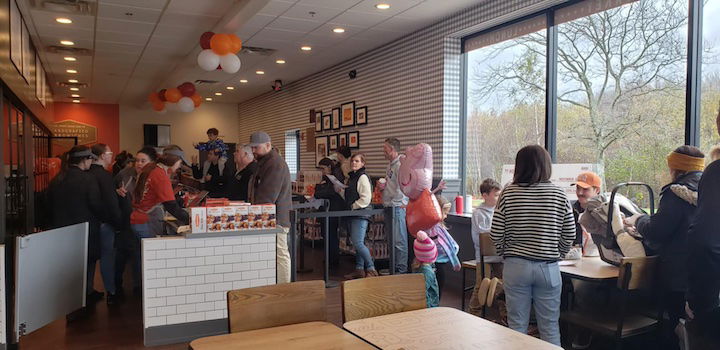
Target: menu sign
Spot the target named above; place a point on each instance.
(563, 175)
(85, 133)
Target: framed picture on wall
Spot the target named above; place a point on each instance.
(321, 148)
(15, 36)
(336, 118)
(354, 139)
(327, 123)
(342, 139)
(333, 142)
(361, 115)
(318, 121)
(347, 112)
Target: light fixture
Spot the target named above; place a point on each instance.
(244, 81)
(74, 95)
(382, 6)
(280, 61)
(71, 71)
(218, 94)
(76, 101)
(306, 48)
(70, 59)
(339, 30)
(67, 42)
(230, 87)
(208, 98)
(74, 89)
(63, 20)
(259, 72)
(74, 81)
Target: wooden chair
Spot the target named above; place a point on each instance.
(488, 258)
(276, 305)
(635, 274)
(377, 296)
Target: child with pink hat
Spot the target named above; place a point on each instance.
(425, 253)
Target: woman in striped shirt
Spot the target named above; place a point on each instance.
(533, 228)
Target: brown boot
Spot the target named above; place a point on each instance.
(355, 275)
(371, 273)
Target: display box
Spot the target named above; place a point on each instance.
(198, 219)
(214, 219)
(241, 217)
(255, 217)
(228, 218)
(268, 216)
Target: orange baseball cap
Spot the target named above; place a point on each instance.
(588, 179)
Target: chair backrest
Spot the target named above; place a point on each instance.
(637, 273)
(276, 305)
(487, 247)
(376, 296)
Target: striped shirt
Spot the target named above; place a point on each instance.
(533, 222)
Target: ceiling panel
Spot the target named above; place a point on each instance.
(136, 14)
(46, 18)
(259, 21)
(59, 32)
(130, 38)
(359, 19)
(112, 46)
(124, 26)
(214, 8)
(396, 6)
(299, 25)
(189, 20)
(336, 4)
(320, 14)
(276, 8)
(150, 4)
(279, 35)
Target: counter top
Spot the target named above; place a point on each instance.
(233, 233)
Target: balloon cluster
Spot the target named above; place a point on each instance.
(182, 98)
(219, 52)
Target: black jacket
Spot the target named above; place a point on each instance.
(577, 210)
(109, 197)
(237, 185)
(326, 190)
(704, 244)
(218, 180)
(665, 233)
(75, 198)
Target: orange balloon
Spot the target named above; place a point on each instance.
(153, 97)
(221, 44)
(236, 43)
(173, 95)
(158, 105)
(197, 100)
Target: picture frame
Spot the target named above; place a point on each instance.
(353, 139)
(361, 115)
(321, 148)
(16, 36)
(333, 139)
(327, 123)
(342, 139)
(28, 55)
(318, 121)
(336, 118)
(347, 114)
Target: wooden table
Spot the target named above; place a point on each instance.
(590, 269)
(441, 328)
(310, 335)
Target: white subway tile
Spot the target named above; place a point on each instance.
(213, 260)
(221, 305)
(250, 239)
(176, 281)
(204, 270)
(270, 247)
(225, 313)
(223, 287)
(214, 278)
(223, 268)
(196, 317)
(256, 248)
(266, 273)
(166, 292)
(258, 282)
(249, 275)
(156, 321)
(195, 298)
(176, 300)
(232, 258)
(175, 319)
(178, 262)
(150, 293)
(248, 257)
(154, 302)
(188, 308)
(149, 255)
(268, 256)
(154, 264)
(150, 312)
(184, 290)
(166, 310)
(164, 273)
(165, 254)
(199, 279)
(207, 306)
(185, 271)
(233, 276)
(241, 266)
(197, 261)
(241, 284)
(232, 241)
(214, 296)
(194, 243)
(213, 315)
(206, 251)
(213, 242)
(150, 274)
(155, 283)
(153, 244)
(239, 249)
(204, 288)
(267, 239)
(175, 243)
(258, 265)
(185, 253)
(223, 250)
(270, 281)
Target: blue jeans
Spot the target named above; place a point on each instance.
(107, 260)
(141, 231)
(358, 229)
(531, 283)
(400, 234)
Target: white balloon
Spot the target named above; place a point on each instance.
(186, 104)
(230, 63)
(208, 60)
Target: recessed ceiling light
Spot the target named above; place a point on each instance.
(259, 72)
(230, 87)
(339, 30)
(70, 59)
(218, 94)
(306, 48)
(74, 95)
(382, 6)
(76, 101)
(67, 42)
(280, 61)
(72, 81)
(244, 81)
(71, 71)
(63, 20)
(74, 89)
(208, 98)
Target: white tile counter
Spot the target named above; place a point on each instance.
(186, 280)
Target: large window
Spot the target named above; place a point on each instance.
(710, 75)
(506, 98)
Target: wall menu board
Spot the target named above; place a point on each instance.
(15, 36)
(563, 175)
(24, 56)
(28, 54)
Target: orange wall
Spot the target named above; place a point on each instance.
(105, 117)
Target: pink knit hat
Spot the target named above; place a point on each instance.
(425, 250)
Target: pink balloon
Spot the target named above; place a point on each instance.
(416, 170)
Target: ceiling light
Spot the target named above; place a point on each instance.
(280, 61)
(76, 101)
(306, 48)
(339, 30)
(208, 98)
(74, 89)
(382, 6)
(63, 20)
(244, 81)
(74, 95)
(71, 71)
(70, 59)
(259, 72)
(230, 87)
(74, 81)
(67, 42)
(218, 94)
